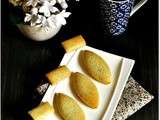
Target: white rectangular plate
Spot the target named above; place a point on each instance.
(109, 94)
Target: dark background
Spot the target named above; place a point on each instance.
(24, 62)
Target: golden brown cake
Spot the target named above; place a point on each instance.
(42, 112)
(85, 89)
(95, 66)
(67, 107)
(58, 74)
(73, 43)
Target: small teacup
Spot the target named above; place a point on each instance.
(115, 14)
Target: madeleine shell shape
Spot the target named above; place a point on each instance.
(84, 89)
(95, 66)
(67, 107)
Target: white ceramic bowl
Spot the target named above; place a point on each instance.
(37, 33)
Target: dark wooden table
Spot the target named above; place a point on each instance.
(25, 62)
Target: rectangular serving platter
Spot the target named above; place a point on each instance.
(109, 94)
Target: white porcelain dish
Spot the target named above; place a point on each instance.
(109, 94)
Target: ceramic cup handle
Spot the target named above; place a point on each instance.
(137, 6)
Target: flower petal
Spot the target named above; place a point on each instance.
(45, 10)
(28, 3)
(44, 20)
(34, 3)
(34, 11)
(52, 2)
(47, 13)
(27, 17)
(46, 3)
(64, 5)
(60, 1)
(65, 14)
(60, 19)
(53, 9)
(42, 9)
(39, 19)
(42, 1)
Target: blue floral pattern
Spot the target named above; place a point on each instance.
(116, 14)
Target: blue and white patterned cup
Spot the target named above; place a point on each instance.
(115, 14)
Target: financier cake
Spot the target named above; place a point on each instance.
(42, 112)
(67, 108)
(58, 74)
(95, 66)
(85, 89)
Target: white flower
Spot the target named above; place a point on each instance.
(63, 3)
(52, 17)
(45, 24)
(56, 20)
(34, 11)
(47, 8)
(32, 3)
(34, 18)
(52, 2)
(59, 19)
